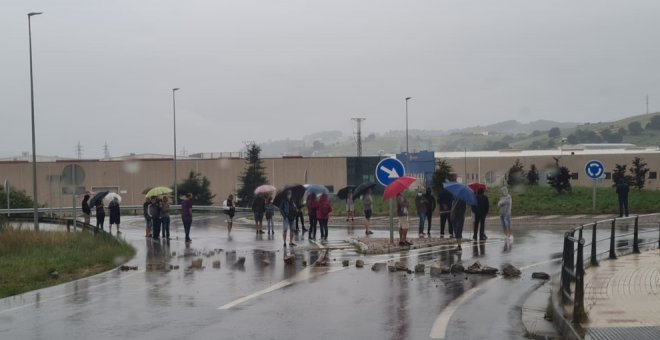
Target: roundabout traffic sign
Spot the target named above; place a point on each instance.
(594, 169)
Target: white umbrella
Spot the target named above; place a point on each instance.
(111, 197)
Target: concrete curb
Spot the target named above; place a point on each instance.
(564, 326)
(533, 313)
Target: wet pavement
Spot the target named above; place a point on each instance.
(266, 299)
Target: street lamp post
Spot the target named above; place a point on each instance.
(407, 150)
(176, 196)
(34, 148)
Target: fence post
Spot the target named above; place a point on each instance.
(565, 280)
(578, 301)
(594, 255)
(571, 257)
(636, 236)
(613, 241)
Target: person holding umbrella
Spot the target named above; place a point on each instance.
(270, 211)
(289, 212)
(114, 214)
(480, 212)
(258, 209)
(87, 212)
(100, 214)
(402, 213)
(367, 205)
(186, 215)
(323, 215)
(165, 217)
(147, 217)
(312, 207)
(445, 199)
(154, 213)
(457, 217)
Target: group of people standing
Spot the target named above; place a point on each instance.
(157, 217)
(318, 212)
(115, 212)
(452, 214)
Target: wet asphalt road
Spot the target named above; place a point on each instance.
(276, 301)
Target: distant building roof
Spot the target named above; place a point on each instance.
(581, 149)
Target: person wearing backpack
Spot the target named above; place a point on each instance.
(323, 214)
(289, 212)
(229, 210)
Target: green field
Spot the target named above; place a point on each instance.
(541, 200)
(28, 258)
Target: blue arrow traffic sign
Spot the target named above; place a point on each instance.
(594, 169)
(388, 170)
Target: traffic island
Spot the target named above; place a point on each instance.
(373, 245)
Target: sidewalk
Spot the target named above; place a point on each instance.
(622, 298)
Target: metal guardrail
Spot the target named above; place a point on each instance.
(572, 269)
(199, 208)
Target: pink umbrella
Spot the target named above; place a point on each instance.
(399, 185)
(265, 189)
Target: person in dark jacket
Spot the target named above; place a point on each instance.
(154, 213)
(312, 206)
(186, 215)
(87, 211)
(445, 199)
(622, 190)
(480, 212)
(100, 215)
(430, 208)
(289, 212)
(147, 217)
(114, 213)
(259, 208)
(458, 208)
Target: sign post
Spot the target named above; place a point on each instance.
(387, 171)
(7, 192)
(594, 170)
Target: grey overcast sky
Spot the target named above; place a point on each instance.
(260, 70)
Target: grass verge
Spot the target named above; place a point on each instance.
(28, 258)
(539, 200)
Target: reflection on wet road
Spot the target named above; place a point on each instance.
(244, 290)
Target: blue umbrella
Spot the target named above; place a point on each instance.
(316, 188)
(461, 192)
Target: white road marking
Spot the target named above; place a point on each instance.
(549, 217)
(439, 329)
(123, 277)
(306, 274)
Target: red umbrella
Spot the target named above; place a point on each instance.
(475, 186)
(399, 185)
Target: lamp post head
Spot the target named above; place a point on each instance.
(175, 89)
(34, 13)
(408, 98)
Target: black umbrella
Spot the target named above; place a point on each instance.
(343, 192)
(97, 198)
(297, 192)
(362, 189)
